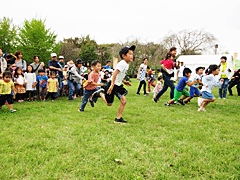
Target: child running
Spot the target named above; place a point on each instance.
(158, 87)
(180, 89)
(209, 82)
(6, 85)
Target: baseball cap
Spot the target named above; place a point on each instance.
(66, 66)
(125, 49)
(61, 57)
(53, 55)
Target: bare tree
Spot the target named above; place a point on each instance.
(190, 42)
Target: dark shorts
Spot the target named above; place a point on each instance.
(6, 97)
(118, 91)
(194, 90)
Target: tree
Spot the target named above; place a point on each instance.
(190, 42)
(35, 39)
(69, 50)
(7, 35)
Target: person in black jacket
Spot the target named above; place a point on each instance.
(235, 80)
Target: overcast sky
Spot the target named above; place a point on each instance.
(110, 21)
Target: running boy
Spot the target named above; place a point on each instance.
(179, 90)
(114, 87)
(6, 85)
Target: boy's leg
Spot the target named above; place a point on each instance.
(121, 107)
(71, 89)
(104, 99)
(86, 96)
(231, 84)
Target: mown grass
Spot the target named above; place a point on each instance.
(51, 140)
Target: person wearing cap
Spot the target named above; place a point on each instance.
(225, 73)
(61, 61)
(180, 71)
(114, 86)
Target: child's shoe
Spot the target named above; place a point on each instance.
(166, 104)
(119, 120)
(91, 102)
(137, 93)
(12, 110)
(146, 94)
(52, 100)
(98, 92)
(181, 102)
(155, 100)
(80, 110)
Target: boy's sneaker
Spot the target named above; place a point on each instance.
(146, 94)
(119, 120)
(181, 102)
(155, 100)
(52, 100)
(91, 102)
(98, 92)
(80, 110)
(202, 109)
(166, 104)
(12, 111)
(137, 93)
(175, 103)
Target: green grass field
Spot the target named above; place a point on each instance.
(52, 140)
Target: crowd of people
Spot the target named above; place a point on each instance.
(21, 81)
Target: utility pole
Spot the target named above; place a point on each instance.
(216, 46)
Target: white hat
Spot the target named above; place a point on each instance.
(53, 55)
(61, 57)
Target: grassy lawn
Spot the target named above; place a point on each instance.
(51, 140)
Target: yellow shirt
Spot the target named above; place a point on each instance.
(224, 67)
(52, 85)
(5, 88)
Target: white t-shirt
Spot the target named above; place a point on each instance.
(122, 66)
(142, 73)
(180, 71)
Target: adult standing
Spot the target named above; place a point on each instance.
(3, 62)
(141, 76)
(235, 80)
(36, 65)
(19, 61)
(225, 74)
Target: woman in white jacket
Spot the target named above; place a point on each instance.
(225, 73)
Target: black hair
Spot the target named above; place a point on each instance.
(212, 68)
(95, 62)
(148, 67)
(107, 61)
(15, 74)
(125, 53)
(34, 57)
(198, 68)
(17, 53)
(160, 77)
(168, 56)
(224, 57)
(79, 61)
(27, 69)
(85, 63)
(52, 72)
(186, 71)
(40, 70)
(7, 73)
(9, 56)
(145, 59)
(173, 49)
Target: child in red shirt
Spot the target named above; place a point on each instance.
(168, 64)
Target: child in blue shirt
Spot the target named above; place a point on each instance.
(179, 90)
(42, 80)
(209, 82)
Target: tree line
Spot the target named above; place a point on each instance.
(34, 38)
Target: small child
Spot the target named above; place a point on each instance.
(30, 79)
(168, 64)
(42, 80)
(6, 85)
(158, 87)
(105, 77)
(20, 82)
(151, 78)
(52, 85)
(209, 82)
(91, 85)
(180, 89)
(194, 88)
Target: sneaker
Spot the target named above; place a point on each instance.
(52, 100)
(186, 102)
(219, 98)
(166, 104)
(154, 99)
(137, 93)
(98, 92)
(119, 120)
(202, 109)
(200, 101)
(32, 100)
(91, 102)
(28, 100)
(181, 102)
(175, 103)
(80, 110)
(224, 98)
(19, 100)
(146, 94)
(12, 111)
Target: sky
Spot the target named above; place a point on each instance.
(110, 21)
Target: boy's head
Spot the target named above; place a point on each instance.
(160, 78)
(187, 72)
(8, 57)
(41, 72)
(108, 63)
(181, 63)
(106, 72)
(148, 68)
(7, 76)
(103, 69)
(126, 53)
(79, 62)
(223, 59)
(96, 65)
(60, 58)
(199, 70)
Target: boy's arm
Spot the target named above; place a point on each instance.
(115, 73)
(191, 83)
